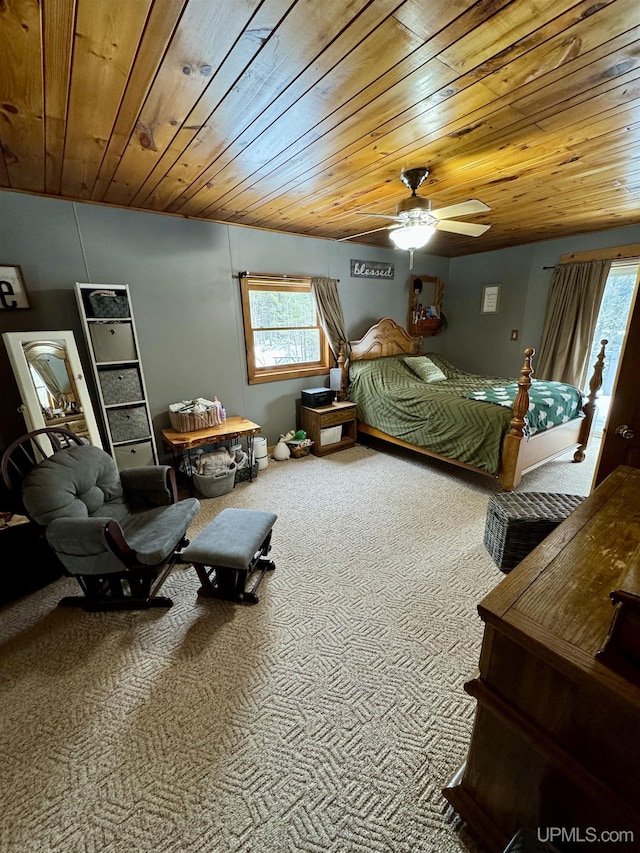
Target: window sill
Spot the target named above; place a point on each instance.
(275, 375)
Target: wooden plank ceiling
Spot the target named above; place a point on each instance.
(297, 115)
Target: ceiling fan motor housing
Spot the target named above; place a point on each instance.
(414, 202)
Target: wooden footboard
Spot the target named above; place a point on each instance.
(521, 454)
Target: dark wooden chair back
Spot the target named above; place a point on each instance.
(27, 451)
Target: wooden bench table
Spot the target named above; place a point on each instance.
(182, 443)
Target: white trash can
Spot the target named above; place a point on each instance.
(260, 453)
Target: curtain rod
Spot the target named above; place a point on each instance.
(617, 260)
(276, 276)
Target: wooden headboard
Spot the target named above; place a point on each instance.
(385, 338)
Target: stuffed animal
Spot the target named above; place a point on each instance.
(281, 450)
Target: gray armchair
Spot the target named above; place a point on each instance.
(117, 532)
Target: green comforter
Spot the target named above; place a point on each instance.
(434, 415)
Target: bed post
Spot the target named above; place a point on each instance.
(512, 445)
(590, 407)
(342, 393)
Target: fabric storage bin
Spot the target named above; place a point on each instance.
(516, 523)
(120, 386)
(113, 342)
(105, 303)
(330, 435)
(128, 424)
(134, 455)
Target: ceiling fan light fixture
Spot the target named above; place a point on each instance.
(415, 222)
(410, 237)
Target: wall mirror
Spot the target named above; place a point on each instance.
(52, 386)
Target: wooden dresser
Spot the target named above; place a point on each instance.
(556, 738)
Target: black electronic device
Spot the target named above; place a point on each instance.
(316, 398)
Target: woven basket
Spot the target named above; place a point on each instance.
(191, 421)
(298, 450)
(517, 523)
(109, 304)
(215, 485)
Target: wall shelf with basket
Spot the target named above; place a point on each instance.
(109, 328)
(425, 305)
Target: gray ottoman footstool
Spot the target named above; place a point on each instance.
(230, 555)
(517, 523)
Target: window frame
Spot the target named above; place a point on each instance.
(257, 375)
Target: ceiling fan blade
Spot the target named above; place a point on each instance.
(362, 234)
(464, 208)
(469, 229)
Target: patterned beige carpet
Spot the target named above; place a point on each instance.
(326, 719)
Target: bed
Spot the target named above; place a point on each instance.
(498, 427)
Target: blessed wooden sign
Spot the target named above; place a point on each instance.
(371, 269)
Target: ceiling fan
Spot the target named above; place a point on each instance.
(414, 221)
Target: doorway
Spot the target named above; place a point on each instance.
(613, 319)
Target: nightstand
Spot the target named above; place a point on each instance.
(338, 416)
(30, 563)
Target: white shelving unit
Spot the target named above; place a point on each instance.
(112, 341)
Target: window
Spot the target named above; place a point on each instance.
(282, 331)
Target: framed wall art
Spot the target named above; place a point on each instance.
(490, 299)
(13, 294)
